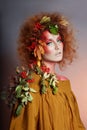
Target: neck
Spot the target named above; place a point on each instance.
(50, 65)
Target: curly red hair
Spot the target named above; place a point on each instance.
(66, 33)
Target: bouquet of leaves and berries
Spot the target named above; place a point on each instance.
(20, 91)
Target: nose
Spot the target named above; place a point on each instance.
(56, 46)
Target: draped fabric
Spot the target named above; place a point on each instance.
(48, 111)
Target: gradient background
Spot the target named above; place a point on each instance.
(13, 14)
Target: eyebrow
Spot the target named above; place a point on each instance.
(49, 39)
(56, 38)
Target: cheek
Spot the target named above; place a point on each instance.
(47, 50)
(61, 46)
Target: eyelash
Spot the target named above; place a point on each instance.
(48, 43)
(58, 40)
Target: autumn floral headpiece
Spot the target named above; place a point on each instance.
(36, 47)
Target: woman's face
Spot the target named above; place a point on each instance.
(53, 48)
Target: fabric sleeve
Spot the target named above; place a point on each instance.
(73, 105)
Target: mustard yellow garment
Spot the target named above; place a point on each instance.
(48, 111)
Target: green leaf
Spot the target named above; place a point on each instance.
(38, 70)
(18, 110)
(26, 85)
(22, 82)
(26, 93)
(25, 88)
(43, 89)
(53, 29)
(22, 95)
(55, 90)
(20, 79)
(32, 90)
(18, 90)
(24, 100)
(30, 98)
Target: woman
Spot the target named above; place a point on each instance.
(43, 99)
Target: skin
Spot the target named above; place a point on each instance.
(53, 51)
(53, 48)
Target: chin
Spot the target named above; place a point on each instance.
(54, 60)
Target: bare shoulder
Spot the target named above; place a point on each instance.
(61, 77)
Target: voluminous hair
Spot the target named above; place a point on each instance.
(66, 33)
